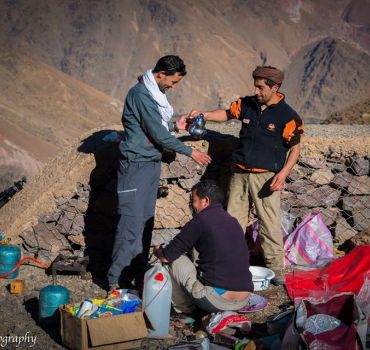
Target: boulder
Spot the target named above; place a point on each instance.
(45, 218)
(359, 166)
(288, 200)
(300, 213)
(79, 204)
(65, 221)
(29, 239)
(342, 180)
(322, 176)
(359, 185)
(163, 236)
(361, 219)
(188, 183)
(47, 256)
(300, 186)
(337, 166)
(343, 230)
(78, 225)
(49, 238)
(324, 196)
(355, 203)
(78, 239)
(314, 163)
(329, 215)
(295, 174)
(173, 211)
(183, 166)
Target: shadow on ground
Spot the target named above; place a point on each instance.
(101, 215)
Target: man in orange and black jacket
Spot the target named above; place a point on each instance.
(269, 147)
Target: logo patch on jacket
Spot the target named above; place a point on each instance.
(246, 121)
(271, 127)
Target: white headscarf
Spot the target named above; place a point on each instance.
(164, 107)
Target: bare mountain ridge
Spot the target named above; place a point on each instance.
(107, 44)
(358, 113)
(325, 77)
(42, 110)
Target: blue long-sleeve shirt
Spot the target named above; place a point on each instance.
(145, 136)
(223, 252)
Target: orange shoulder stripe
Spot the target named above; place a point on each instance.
(236, 108)
(289, 129)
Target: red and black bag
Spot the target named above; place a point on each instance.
(333, 324)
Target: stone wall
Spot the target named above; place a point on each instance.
(339, 189)
(83, 222)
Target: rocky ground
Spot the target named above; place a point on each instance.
(19, 313)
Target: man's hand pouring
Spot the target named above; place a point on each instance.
(184, 121)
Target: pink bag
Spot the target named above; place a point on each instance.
(310, 244)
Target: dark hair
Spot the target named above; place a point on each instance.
(170, 65)
(210, 189)
(270, 83)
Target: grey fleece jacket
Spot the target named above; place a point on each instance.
(145, 136)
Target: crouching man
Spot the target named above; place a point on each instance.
(221, 280)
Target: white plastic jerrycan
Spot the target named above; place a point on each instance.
(157, 300)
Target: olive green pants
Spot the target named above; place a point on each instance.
(256, 186)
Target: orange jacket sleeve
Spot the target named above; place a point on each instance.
(235, 109)
(292, 131)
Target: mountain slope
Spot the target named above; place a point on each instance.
(108, 43)
(42, 110)
(49, 48)
(325, 77)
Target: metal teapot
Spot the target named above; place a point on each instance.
(196, 127)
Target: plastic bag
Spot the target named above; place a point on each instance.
(345, 274)
(225, 319)
(287, 223)
(252, 232)
(310, 244)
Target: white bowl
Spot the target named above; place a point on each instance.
(261, 277)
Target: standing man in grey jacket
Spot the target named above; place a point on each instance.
(146, 120)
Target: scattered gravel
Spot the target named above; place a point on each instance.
(19, 313)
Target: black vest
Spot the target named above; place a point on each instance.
(261, 143)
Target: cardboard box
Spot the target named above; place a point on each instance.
(106, 333)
